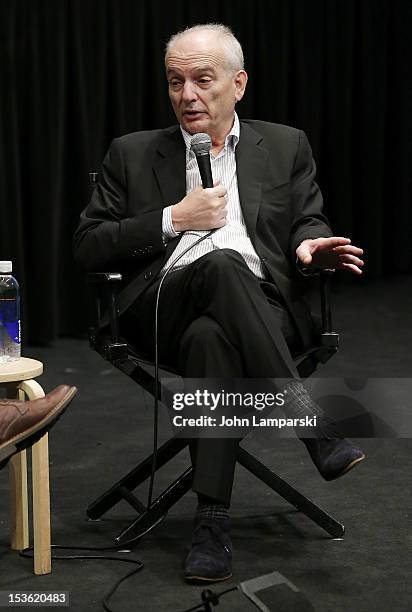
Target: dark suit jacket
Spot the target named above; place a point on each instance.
(121, 228)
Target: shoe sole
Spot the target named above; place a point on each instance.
(205, 579)
(30, 436)
(349, 467)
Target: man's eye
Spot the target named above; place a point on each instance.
(174, 83)
(203, 81)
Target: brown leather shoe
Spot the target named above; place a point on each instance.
(23, 423)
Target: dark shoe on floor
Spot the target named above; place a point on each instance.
(333, 457)
(210, 558)
(23, 423)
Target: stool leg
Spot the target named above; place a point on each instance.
(41, 491)
(19, 511)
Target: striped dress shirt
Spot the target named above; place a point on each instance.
(233, 235)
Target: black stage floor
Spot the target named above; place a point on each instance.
(108, 428)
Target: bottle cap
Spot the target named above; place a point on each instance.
(6, 267)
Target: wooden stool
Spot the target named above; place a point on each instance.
(16, 377)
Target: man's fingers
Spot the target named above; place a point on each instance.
(219, 223)
(331, 242)
(346, 258)
(305, 257)
(352, 268)
(219, 191)
(335, 251)
(304, 253)
(349, 248)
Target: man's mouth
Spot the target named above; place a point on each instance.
(192, 114)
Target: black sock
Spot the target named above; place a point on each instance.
(300, 405)
(208, 507)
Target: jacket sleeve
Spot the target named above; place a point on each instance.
(308, 221)
(107, 234)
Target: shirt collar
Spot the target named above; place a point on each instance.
(231, 139)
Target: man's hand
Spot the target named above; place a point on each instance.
(334, 252)
(201, 209)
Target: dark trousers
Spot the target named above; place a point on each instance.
(216, 319)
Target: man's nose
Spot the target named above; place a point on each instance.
(189, 93)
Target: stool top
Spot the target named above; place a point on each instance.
(22, 369)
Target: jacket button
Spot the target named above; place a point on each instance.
(147, 275)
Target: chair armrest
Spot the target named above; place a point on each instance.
(329, 337)
(325, 278)
(104, 296)
(97, 278)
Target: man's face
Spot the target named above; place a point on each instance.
(202, 89)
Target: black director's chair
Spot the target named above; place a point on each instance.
(109, 344)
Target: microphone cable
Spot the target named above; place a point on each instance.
(209, 599)
(156, 395)
(201, 144)
(139, 565)
(28, 553)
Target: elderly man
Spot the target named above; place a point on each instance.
(231, 307)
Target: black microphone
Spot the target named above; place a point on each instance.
(201, 144)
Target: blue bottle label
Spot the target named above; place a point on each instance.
(13, 330)
(9, 309)
(9, 317)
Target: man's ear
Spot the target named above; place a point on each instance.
(240, 81)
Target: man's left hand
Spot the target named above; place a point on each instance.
(334, 252)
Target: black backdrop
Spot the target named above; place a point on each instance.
(77, 73)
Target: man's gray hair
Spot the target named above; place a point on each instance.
(230, 43)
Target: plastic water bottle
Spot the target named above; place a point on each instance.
(10, 338)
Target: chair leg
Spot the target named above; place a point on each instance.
(19, 508)
(285, 490)
(157, 510)
(41, 491)
(121, 490)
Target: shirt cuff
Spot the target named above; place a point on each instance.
(168, 231)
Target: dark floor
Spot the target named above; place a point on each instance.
(108, 428)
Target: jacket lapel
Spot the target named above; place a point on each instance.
(170, 166)
(170, 171)
(251, 157)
